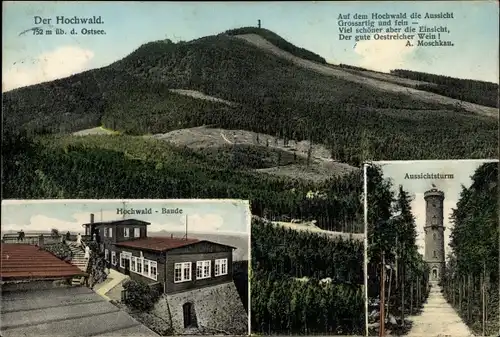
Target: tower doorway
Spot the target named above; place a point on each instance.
(434, 274)
(189, 315)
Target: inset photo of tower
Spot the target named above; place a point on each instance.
(432, 249)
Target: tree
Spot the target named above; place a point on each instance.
(54, 232)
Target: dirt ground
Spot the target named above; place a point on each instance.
(438, 318)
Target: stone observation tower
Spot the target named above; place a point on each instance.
(434, 233)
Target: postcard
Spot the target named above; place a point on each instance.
(125, 267)
(276, 103)
(433, 238)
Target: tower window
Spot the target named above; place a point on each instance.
(434, 236)
(434, 253)
(433, 205)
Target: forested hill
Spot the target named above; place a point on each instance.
(272, 95)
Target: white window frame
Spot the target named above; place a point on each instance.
(133, 264)
(105, 232)
(220, 267)
(145, 263)
(110, 232)
(139, 263)
(125, 256)
(203, 269)
(155, 265)
(106, 254)
(113, 258)
(137, 232)
(182, 266)
(126, 232)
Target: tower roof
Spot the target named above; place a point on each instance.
(434, 192)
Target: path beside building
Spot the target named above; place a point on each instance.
(438, 318)
(114, 279)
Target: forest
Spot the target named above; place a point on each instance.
(479, 92)
(119, 166)
(307, 283)
(471, 281)
(270, 95)
(392, 242)
(287, 294)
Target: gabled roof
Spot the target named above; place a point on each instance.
(163, 244)
(118, 222)
(23, 261)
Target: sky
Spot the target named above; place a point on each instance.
(462, 170)
(30, 59)
(204, 216)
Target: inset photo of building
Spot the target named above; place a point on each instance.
(432, 247)
(158, 267)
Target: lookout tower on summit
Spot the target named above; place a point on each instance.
(434, 233)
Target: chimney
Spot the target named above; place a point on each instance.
(91, 217)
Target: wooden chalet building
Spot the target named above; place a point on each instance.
(175, 264)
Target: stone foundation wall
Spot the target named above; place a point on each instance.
(216, 308)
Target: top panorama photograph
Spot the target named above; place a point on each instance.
(237, 100)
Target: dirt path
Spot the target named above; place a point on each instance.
(438, 318)
(200, 95)
(425, 96)
(224, 137)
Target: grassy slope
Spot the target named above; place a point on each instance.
(279, 42)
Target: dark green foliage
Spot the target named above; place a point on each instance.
(279, 42)
(240, 277)
(394, 236)
(303, 254)
(474, 258)
(479, 92)
(131, 167)
(61, 250)
(271, 95)
(139, 295)
(347, 66)
(281, 304)
(96, 267)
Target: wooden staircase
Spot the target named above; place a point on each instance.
(79, 261)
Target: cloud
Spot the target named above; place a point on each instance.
(383, 55)
(206, 223)
(59, 63)
(42, 223)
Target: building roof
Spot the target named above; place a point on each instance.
(118, 222)
(162, 244)
(21, 261)
(75, 311)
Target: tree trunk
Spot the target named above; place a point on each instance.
(469, 294)
(411, 297)
(402, 295)
(382, 298)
